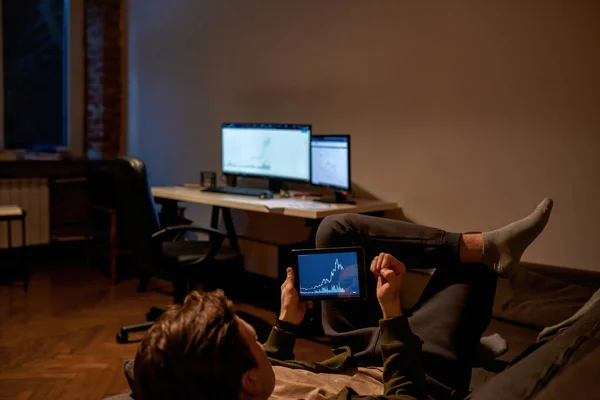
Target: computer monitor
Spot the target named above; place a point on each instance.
(275, 151)
(331, 162)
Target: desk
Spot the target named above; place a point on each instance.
(290, 207)
(312, 212)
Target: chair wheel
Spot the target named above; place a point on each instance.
(122, 337)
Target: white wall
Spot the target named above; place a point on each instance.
(467, 113)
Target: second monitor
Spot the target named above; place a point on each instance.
(330, 157)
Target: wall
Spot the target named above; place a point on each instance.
(104, 78)
(467, 113)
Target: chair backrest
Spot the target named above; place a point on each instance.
(100, 189)
(136, 208)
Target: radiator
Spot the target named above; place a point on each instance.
(32, 196)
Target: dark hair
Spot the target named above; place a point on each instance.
(194, 350)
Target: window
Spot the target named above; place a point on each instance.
(34, 66)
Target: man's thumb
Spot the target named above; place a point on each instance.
(389, 275)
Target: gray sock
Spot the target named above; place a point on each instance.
(503, 248)
(491, 347)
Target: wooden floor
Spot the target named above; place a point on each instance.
(57, 341)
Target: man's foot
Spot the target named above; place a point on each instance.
(503, 248)
(491, 347)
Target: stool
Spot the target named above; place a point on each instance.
(15, 213)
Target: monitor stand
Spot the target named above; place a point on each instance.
(276, 185)
(231, 180)
(338, 197)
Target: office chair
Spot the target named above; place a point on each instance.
(106, 238)
(160, 252)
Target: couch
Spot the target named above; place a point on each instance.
(564, 363)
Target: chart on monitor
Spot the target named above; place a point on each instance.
(328, 274)
(331, 161)
(266, 150)
(330, 168)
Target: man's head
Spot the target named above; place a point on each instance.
(202, 350)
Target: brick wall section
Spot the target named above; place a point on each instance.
(103, 77)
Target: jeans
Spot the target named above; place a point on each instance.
(451, 315)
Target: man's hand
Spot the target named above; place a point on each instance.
(390, 275)
(292, 310)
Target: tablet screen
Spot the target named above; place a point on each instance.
(330, 274)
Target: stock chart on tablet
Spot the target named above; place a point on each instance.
(328, 274)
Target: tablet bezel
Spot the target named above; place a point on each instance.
(362, 273)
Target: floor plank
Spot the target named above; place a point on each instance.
(57, 341)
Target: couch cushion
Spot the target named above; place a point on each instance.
(575, 382)
(550, 331)
(543, 362)
(538, 300)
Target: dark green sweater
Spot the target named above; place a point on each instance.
(403, 375)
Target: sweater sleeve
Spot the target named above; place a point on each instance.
(280, 344)
(403, 374)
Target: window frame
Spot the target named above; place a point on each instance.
(74, 99)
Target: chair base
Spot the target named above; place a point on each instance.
(123, 335)
(151, 316)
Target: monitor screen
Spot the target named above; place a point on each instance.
(331, 161)
(267, 150)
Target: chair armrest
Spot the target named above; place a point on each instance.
(189, 228)
(216, 239)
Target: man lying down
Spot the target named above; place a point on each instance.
(203, 350)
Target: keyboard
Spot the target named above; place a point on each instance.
(242, 191)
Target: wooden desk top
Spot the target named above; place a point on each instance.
(286, 206)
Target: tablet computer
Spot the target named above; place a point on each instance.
(330, 274)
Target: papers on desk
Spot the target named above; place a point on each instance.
(281, 204)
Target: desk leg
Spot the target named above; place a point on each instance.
(214, 217)
(231, 234)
